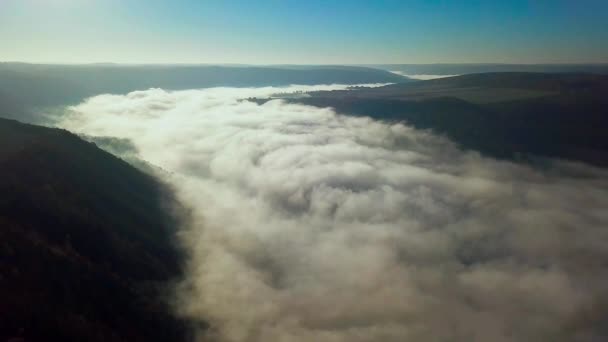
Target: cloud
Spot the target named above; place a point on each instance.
(421, 76)
(311, 226)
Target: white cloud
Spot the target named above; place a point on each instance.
(310, 226)
(421, 76)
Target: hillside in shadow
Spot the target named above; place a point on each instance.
(504, 115)
(86, 243)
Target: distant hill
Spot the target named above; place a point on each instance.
(86, 244)
(28, 86)
(504, 115)
(486, 88)
(471, 68)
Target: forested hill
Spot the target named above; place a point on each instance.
(504, 115)
(47, 85)
(471, 68)
(86, 247)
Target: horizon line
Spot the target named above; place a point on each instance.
(288, 64)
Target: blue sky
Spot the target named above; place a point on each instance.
(303, 32)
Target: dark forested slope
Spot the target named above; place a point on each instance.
(470, 68)
(86, 249)
(500, 114)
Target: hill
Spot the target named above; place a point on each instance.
(86, 244)
(505, 115)
(24, 87)
(470, 68)
(485, 88)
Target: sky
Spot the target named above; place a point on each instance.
(303, 32)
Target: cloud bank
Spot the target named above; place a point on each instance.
(311, 226)
(421, 76)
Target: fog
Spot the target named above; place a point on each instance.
(310, 226)
(422, 77)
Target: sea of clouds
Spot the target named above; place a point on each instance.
(311, 226)
(423, 77)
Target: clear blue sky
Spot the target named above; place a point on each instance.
(303, 32)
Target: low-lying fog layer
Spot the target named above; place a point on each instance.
(310, 226)
(421, 76)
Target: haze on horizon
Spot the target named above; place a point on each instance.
(298, 32)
